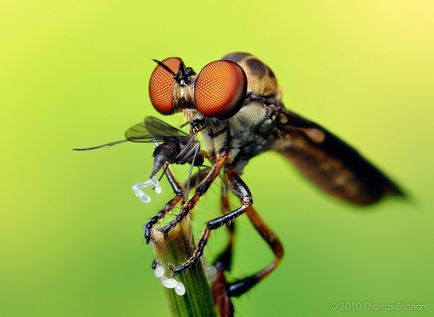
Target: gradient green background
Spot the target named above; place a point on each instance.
(75, 73)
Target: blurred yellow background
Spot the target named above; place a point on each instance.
(75, 73)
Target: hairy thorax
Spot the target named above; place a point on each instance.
(247, 134)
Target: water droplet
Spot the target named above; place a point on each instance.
(211, 272)
(159, 271)
(156, 184)
(137, 188)
(180, 289)
(169, 282)
(143, 197)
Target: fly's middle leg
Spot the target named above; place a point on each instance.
(201, 189)
(242, 191)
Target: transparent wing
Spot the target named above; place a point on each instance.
(153, 129)
(331, 163)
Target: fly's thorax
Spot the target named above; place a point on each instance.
(247, 119)
(192, 115)
(213, 133)
(261, 80)
(252, 128)
(252, 131)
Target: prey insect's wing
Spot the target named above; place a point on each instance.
(150, 130)
(329, 162)
(153, 129)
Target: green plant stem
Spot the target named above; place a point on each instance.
(179, 246)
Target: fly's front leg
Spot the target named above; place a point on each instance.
(178, 190)
(200, 190)
(241, 190)
(171, 204)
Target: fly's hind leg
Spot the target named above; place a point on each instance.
(222, 290)
(239, 287)
(222, 293)
(223, 264)
(220, 296)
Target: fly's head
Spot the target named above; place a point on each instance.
(215, 94)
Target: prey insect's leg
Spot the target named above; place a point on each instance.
(171, 204)
(200, 190)
(242, 191)
(241, 286)
(177, 189)
(186, 148)
(195, 151)
(198, 177)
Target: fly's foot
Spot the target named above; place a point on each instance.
(148, 231)
(154, 264)
(165, 230)
(153, 221)
(171, 225)
(149, 238)
(171, 267)
(148, 235)
(137, 189)
(180, 268)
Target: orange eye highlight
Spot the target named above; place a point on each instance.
(220, 89)
(161, 85)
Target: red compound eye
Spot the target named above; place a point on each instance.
(161, 85)
(220, 89)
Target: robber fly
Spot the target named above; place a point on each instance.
(234, 104)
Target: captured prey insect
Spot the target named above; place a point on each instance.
(234, 104)
(173, 146)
